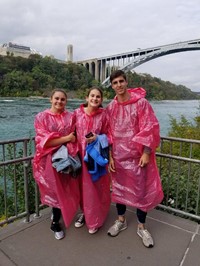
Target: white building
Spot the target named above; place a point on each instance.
(16, 50)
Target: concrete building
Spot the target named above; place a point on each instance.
(16, 50)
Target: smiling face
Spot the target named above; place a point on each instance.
(119, 85)
(94, 99)
(58, 102)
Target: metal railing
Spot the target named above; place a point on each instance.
(178, 162)
(179, 166)
(19, 195)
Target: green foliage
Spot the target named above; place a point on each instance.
(158, 89)
(180, 179)
(36, 75)
(19, 81)
(180, 185)
(184, 128)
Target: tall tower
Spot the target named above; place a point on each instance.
(70, 53)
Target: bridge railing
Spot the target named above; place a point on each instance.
(177, 160)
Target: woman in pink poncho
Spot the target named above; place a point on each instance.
(95, 195)
(135, 135)
(54, 127)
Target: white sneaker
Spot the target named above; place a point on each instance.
(117, 228)
(58, 232)
(59, 235)
(93, 231)
(80, 221)
(146, 237)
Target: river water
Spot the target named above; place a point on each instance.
(17, 114)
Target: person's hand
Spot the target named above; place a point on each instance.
(91, 139)
(144, 160)
(71, 137)
(111, 165)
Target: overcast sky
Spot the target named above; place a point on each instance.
(98, 28)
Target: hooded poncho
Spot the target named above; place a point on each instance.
(95, 198)
(56, 189)
(134, 125)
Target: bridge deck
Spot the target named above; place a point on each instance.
(177, 242)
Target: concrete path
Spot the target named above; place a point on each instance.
(177, 243)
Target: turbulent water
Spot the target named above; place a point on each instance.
(17, 114)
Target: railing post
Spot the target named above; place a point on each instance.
(26, 165)
(37, 209)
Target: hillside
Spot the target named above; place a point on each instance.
(158, 89)
(37, 76)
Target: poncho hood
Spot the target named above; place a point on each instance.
(48, 111)
(96, 112)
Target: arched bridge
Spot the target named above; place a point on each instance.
(102, 67)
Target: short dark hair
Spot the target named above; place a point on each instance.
(117, 74)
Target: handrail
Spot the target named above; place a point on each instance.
(28, 158)
(179, 169)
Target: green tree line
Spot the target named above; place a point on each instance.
(37, 76)
(158, 89)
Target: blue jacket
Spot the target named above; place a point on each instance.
(97, 157)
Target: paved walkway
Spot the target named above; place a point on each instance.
(177, 243)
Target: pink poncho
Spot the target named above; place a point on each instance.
(56, 189)
(95, 200)
(134, 125)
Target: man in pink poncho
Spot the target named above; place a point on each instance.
(55, 127)
(135, 178)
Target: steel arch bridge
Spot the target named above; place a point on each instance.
(102, 67)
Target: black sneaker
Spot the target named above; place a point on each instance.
(58, 232)
(80, 221)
